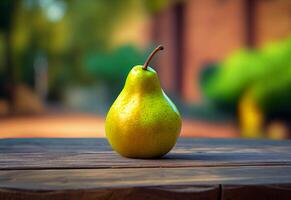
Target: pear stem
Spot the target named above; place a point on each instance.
(145, 66)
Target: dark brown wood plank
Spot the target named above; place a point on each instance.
(267, 192)
(79, 179)
(96, 153)
(140, 193)
(195, 169)
(196, 183)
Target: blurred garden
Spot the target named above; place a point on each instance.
(60, 47)
(226, 64)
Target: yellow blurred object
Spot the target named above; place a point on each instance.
(251, 118)
(277, 131)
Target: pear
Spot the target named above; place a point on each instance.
(143, 122)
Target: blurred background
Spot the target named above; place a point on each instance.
(226, 64)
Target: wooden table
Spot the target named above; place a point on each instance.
(196, 169)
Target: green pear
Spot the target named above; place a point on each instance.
(143, 122)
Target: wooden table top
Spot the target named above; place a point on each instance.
(194, 169)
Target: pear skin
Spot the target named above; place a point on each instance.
(142, 122)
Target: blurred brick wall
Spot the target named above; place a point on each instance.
(164, 33)
(272, 20)
(211, 30)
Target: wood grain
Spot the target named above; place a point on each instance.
(195, 169)
(140, 193)
(46, 180)
(96, 153)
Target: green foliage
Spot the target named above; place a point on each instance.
(6, 9)
(266, 73)
(235, 74)
(155, 6)
(91, 22)
(277, 54)
(113, 67)
(77, 46)
(272, 92)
